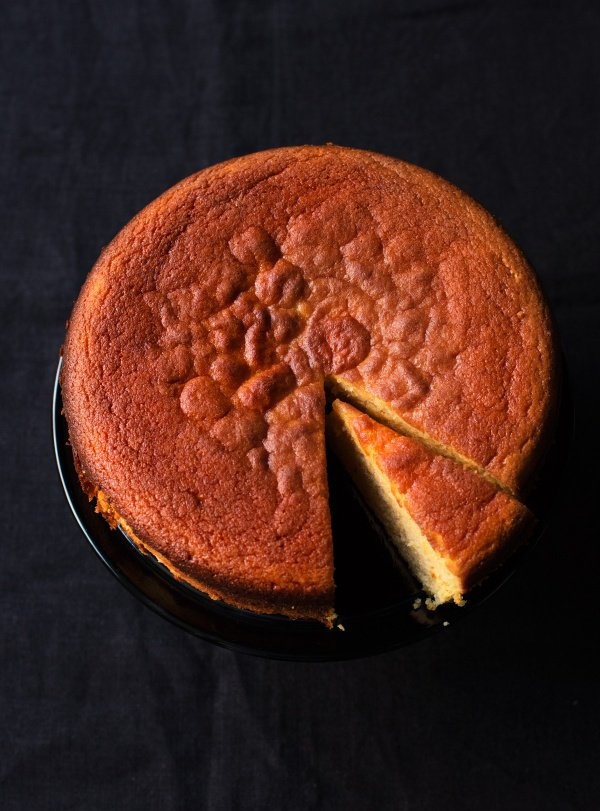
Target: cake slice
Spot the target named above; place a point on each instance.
(452, 526)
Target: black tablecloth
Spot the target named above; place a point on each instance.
(104, 704)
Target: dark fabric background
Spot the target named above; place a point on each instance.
(105, 104)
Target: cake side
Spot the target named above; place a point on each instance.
(452, 526)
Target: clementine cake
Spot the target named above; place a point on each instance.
(197, 354)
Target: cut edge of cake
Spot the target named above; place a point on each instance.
(432, 569)
(380, 411)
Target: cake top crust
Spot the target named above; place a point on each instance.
(195, 357)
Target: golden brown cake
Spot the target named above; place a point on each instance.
(197, 352)
(451, 525)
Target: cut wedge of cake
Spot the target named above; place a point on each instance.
(452, 526)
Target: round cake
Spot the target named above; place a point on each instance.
(200, 348)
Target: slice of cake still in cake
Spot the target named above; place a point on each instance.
(452, 526)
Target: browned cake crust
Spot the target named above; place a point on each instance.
(196, 353)
(472, 525)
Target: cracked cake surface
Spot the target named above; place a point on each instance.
(196, 356)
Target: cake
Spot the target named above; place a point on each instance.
(451, 525)
(198, 353)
